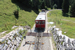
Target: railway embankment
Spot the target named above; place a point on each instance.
(13, 39)
(8, 19)
(63, 33)
(62, 41)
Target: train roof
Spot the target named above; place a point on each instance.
(40, 17)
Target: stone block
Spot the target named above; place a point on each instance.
(9, 42)
(73, 42)
(10, 45)
(5, 47)
(8, 48)
(1, 46)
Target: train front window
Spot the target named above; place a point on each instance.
(43, 22)
(39, 22)
(36, 22)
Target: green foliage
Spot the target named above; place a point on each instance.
(65, 6)
(18, 8)
(20, 32)
(39, 4)
(7, 18)
(71, 1)
(66, 24)
(54, 6)
(72, 10)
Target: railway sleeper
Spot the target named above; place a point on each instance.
(34, 34)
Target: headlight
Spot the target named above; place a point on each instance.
(36, 22)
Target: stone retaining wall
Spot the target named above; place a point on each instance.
(12, 40)
(62, 42)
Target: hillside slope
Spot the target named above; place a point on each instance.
(66, 24)
(7, 18)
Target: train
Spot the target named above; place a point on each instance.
(40, 21)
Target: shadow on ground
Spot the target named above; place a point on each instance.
(39, 30)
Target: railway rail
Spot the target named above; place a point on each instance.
(39, 41)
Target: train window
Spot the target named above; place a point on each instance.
(36, 22)
(43, 22)
(39, 22)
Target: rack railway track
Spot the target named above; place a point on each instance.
(39, 41)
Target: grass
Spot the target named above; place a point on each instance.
(7, 18)
(66, 24)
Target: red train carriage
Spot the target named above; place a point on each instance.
(40, 21)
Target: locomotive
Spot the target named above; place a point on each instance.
(40, 21)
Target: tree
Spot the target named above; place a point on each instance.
(55, 6)
(72, 11)
(48, 3)
(59, 3)
(52, 3)
(71, 2)
(39, 4)
(65, 6)
(35, 4)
